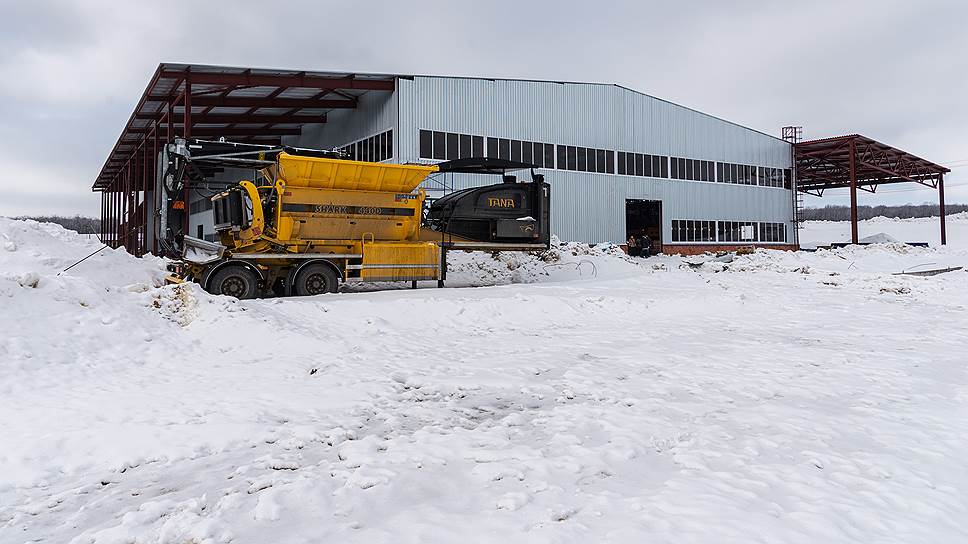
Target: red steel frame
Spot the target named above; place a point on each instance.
(180, 100)
(858, 162)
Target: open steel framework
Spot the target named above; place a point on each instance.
(193, 101)
(858, 162)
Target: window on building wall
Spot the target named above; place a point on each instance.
(465, 146)
(440, 145)
(689, 230)
(737, 231)
(571, 158)
(772, 232)
(516, 150)
(591, 158)
(453, 146)
(538, 155)
(492, 145)
(621, 162)
(526, 153)
(549, 156)
(426, 144)
(582, 163)
(504, 148)
(477, 146)
(562, 157)
(609, 161)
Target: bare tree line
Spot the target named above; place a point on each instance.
(83, 225)
(904, 211)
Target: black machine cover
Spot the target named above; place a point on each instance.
(502, 213)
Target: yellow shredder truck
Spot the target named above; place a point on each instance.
(303, 221)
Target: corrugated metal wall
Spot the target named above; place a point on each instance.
(588, 206)
(375, 112)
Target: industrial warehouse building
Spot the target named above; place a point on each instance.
(619, 161)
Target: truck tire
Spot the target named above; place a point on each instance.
(315, 279)
(235, 281)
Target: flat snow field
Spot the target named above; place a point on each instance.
(582, 396)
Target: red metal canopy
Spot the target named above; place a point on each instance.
(858, 162)
(248, 104)
(190, 100)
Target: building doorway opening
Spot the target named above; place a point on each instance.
(644, 217)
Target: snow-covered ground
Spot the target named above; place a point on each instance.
(921, 229)
(583, 397)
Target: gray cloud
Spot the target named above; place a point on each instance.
(72, 70)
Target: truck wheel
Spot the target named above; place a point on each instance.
(315, 279)
(234, 281)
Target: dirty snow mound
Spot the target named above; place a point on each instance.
(561, 262)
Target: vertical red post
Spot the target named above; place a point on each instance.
(115, 209)
(143, 204)
(187, 117)
(133, 214)
(116, 213)
(944, 238)
(187, 129)
(111, 212)
(171, 122)
(853, 192)
(122, 227)
(153, 181)
(126, 235)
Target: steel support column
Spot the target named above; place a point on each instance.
(853, 192)
(122, 227)
(117, 211)
(944, 238)
(187, 128)
(143, 205)
(153, 183)
(112, 212)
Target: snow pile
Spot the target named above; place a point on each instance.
(788, 397)
(879, 238)
(563, 261)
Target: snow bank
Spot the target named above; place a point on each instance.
(919, 229)
(780, 397)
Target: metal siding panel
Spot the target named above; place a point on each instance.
(375, 112)
(586, 206)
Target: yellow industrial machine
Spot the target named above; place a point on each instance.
(310, 219)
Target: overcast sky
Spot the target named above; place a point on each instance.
(71, 71)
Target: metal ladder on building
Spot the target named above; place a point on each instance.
(794, 134)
